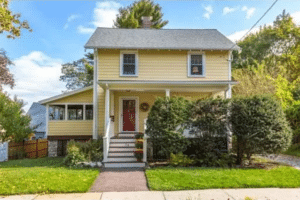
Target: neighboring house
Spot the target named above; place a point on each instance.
(132, 68)
(37, 112)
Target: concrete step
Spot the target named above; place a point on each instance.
(120, 154)
(114, 149)
(124, 164)
(114, 140)
(121, 159)
(129, 135)
(125, 144)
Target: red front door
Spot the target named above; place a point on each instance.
(128, 115)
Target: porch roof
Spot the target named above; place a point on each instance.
(192, 86)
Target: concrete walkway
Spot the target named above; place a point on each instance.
(120, 180)
(217, 194)
(293, 161)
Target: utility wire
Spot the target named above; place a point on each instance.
(256, 23)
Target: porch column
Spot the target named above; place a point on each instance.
(95, 96)
(167, 92)
(112, 113)
(228, 92)
(107, 95)
(47, 119)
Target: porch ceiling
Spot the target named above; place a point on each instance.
(175, 86)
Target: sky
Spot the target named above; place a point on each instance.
(61, 29)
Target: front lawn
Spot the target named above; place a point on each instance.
(43, 175)
(204, 178)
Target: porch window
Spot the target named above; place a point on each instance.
(57, 112)
(196, 65)
(128, 63)
(75, 112)
(89, 112)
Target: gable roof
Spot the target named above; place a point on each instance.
(188, 39)
(37, 113)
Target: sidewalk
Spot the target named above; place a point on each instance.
(214, 194)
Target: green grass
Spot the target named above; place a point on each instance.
(43, 175)
(294, 150)
(205, 178)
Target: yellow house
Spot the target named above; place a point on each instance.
(132, 68)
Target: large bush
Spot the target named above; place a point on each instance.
(259, 126)
(209, 124)
(165, 124)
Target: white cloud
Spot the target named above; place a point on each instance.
(209, 11)
(70, 19)
(227, 10)
(249, 11)
(104, 15)
(36, 77)
(85, 30)
(296, 17)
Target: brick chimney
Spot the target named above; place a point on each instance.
(146, 21)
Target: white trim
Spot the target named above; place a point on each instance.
(64, 95)
(47, 119)
(229, 64)
(226, 82)
(203, 63)
(66, 111)
(167, 92)
(107, 101)
(136, 112)
(122, 52)
(95, 96)
(228, 92)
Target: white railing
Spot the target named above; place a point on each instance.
(106, 141)
(145, 142)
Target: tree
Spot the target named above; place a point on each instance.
(131, 16)
(15, 125)
(259, 126)
(6, 78)
(9, 22)
(78, 74)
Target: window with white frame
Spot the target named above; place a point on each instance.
(75, 112)
(57, 112)
(196, 65)
(129, 64)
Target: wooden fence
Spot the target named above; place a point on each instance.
(29, 149)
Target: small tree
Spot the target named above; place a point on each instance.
(259, 126)
(14, 124)
(165, 124)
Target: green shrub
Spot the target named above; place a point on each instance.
(139, 145)
(259, 125)
(92, 149)
(165, 125)
(74, 155)
(180, 160)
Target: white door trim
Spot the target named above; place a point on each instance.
(121, 111)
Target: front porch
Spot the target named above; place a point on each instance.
(124, 115)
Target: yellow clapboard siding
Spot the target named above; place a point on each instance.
(70, 128)
(163, 65)
(83, 97)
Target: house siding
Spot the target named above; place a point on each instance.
(82, 97)
(163, 65)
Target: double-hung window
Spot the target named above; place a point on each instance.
(196, 65)
(129, 64)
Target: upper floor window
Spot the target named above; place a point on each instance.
(196, 65)
(129, 64)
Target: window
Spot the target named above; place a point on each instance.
(129, 62)
(89, 112)
(57, 112)
(75, 112)
(196, 65)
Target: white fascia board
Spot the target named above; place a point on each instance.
(45, 101)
